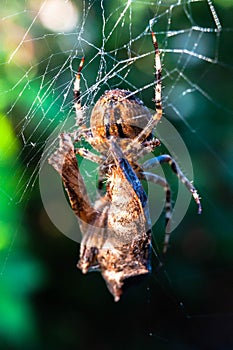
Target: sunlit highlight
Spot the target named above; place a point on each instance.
(59, 15)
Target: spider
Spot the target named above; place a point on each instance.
(116, 228)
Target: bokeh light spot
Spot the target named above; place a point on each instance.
(59, 15)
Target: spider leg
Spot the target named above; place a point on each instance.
(83, 152)
(137, 150)
(83, 133)
(156, 179)
(151, 163)
(77, 103)
(99, 159)
(65, 163)
(158, 97)
(96, 142)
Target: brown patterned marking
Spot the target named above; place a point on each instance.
(118, 113)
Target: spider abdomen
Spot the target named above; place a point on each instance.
(120, 114)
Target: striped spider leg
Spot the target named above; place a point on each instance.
(151, 164)
(134, 146)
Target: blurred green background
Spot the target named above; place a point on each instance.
(45, 302)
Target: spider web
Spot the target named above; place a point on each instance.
(43, 43)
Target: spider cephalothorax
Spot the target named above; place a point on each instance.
(116, 228)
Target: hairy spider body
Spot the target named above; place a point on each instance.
(116, 228)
